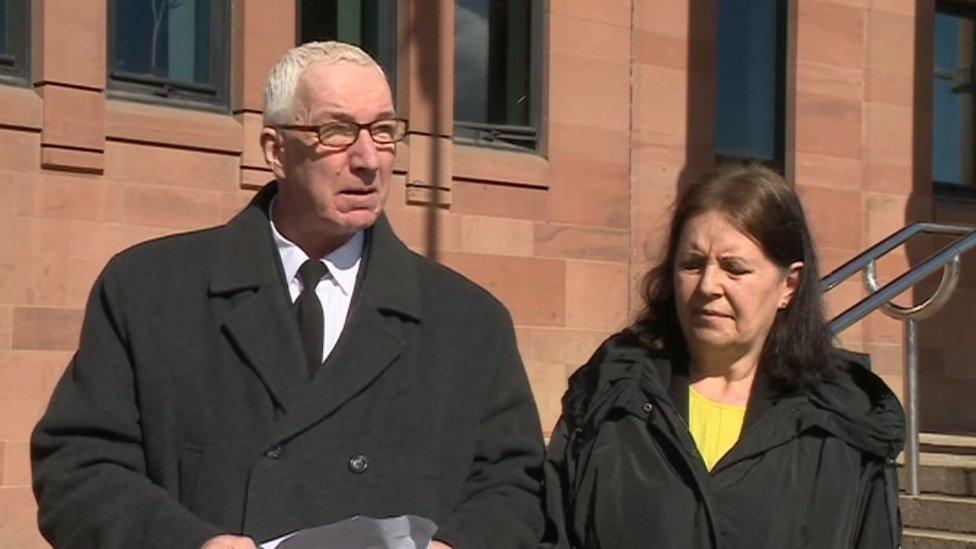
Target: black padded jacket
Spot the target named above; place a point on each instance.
(813, 469)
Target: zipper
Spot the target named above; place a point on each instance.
(731, 457)
(685, 442)
(692, 457)
(861, 503)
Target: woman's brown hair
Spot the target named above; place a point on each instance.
(761, 204)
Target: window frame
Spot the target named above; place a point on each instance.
(162, 91)
(15, 66)
(780, 92)
(534, 130)
(945, 189)
(387, 21)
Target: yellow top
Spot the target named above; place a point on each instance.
(714, 426)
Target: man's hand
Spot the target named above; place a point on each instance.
(228, 541)
(439, 545)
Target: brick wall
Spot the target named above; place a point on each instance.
(853, 154)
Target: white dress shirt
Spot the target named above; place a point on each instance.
(335, 289)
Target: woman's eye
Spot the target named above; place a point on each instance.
(736, 269)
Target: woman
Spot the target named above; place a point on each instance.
(724, 416)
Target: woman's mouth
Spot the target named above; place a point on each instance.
(712, 313)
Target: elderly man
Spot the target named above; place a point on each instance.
(296, 366)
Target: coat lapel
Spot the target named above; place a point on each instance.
(387, 295)
(257, 319)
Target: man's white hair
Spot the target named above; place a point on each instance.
(279, 92)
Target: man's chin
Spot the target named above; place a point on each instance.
(358, 220)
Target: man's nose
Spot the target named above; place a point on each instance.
(363, 154)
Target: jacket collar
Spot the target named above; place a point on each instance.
(855, 405)
(260, 322)
(389, 272)
(240, 264)
(388, 295)
(242, 260)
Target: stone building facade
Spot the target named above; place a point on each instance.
(626, 100)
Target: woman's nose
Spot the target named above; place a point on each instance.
(710, 282)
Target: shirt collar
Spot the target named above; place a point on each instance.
(343, 262)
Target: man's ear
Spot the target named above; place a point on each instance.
(793, 276)
(272, 145)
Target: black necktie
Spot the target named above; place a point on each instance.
(311, 323)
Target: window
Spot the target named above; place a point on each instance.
(370, 24)
(952, 99)
(174, 51)
(497, 73)
(750, 94)
(14, 40)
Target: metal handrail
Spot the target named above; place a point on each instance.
(908, 279)
(881, 298)
(896, 239)
(927, 308)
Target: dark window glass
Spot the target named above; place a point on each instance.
(3, 27)
(952, 109)
(14, 40)
(369, 24)
(751, 78)
(171, 49)
(496, 68)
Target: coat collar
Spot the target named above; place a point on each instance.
(240, 264)
(856, 406)
(247, 271)
(242, 260)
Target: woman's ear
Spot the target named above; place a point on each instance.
(792, 282)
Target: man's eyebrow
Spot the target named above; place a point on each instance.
(346, 117)
(338, 116)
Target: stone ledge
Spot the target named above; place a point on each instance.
(939, 512)
(172, 126)
(913, 538)
(952, 481)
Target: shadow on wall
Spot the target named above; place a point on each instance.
(700, 110)
(430, 75)
(947, 375)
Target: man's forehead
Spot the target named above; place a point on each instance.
(343, 77)
(340, 90)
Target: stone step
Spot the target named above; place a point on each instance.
(913, 538)
(957, 441)
(948, 480)
(943, 459)
(951, 444)
(952, 514)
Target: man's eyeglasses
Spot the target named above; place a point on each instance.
(344, 134)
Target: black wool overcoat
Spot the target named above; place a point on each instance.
(188, 410)
(814, 469)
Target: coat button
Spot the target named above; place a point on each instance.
(358, 464)
(275, 452)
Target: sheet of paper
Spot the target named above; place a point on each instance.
(403, 532)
